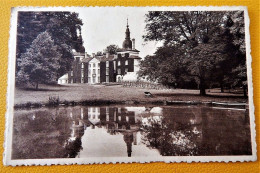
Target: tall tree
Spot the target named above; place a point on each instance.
(165, 66)
(62, 26)
(200, 36)
(39, 64)
(238, 76)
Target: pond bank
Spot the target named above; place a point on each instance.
(83, 94)
(112, 102)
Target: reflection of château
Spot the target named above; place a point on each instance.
(115, 120)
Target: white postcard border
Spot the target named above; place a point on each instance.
(95, 160)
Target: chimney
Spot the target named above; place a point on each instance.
(93, 54)
(133, 40)
(107, 54)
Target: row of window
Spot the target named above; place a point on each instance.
(107, 64)
(94, 65)
(119, 63)
(98, 72)
(93, 71)
(119, 71)
(98, 64)
(94, 79)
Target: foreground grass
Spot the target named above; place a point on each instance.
(118, 93)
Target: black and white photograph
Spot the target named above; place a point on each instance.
(89, 85)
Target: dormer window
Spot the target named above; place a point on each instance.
(107, 64)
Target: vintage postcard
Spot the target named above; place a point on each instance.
(129, 84)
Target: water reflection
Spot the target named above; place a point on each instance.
(116, 131)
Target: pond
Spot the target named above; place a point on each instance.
(130, 131)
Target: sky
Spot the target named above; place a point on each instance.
(105, 26)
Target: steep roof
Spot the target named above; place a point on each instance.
(135, 57)
(104, 58)
(125, 50)
(87, 59)
(64, 76)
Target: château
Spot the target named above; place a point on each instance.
(105, 68)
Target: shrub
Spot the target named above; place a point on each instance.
(54, 101)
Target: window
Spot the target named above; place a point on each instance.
(98, 71)
(94, 71)
(94, 65)
(107, 71)
(119, 71)
(71, 73)
(94, 80)
(89, 65)
(89, 72)
(107, 114)
(119, 63)
(114, 65)
(82, 80)
(126, 62)
(98, 64)
(89, 79)
(82, 72)
(82, 65)
(107, 63)
(98, 79)
(126, 70)
(107, 78)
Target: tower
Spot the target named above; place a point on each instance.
(127, 44)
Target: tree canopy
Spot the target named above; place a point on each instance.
(202, 46)
(40, 62)
(112, 49)
(62, 27)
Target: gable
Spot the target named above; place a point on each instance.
(94, 60)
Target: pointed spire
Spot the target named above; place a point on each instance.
(127, 44)
(127, 32)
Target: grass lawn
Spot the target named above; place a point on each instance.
(83, 92)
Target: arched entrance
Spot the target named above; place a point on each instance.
(119, 78)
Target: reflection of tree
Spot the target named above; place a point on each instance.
(41, 134)
(169, 137)
(73, 145)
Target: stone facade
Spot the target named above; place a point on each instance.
(105, 68)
